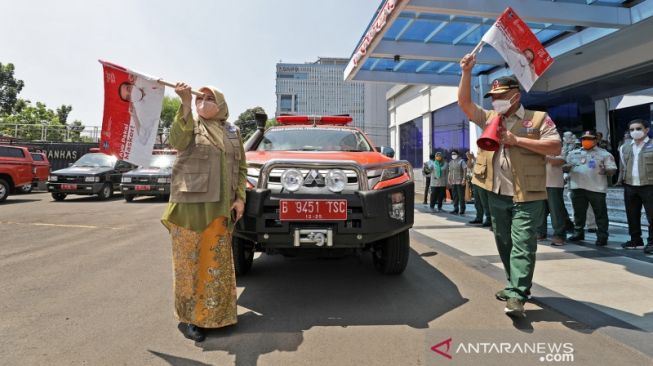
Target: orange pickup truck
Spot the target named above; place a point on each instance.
(316, 185)
(17, 169)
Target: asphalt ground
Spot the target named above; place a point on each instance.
(84, 282)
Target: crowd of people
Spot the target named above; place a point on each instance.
(584, 167)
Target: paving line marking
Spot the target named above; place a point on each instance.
(59, 225)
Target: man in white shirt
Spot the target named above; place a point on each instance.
(637, 175)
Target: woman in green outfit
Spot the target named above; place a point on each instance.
(207, 197)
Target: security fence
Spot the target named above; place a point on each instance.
(57, 133)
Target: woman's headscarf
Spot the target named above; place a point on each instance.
(438, 165)
(215, 125)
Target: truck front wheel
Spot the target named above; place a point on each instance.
(243, 252)
(390, 255)
(59, 196)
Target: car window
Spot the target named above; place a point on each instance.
(162, 161)
(95, 161)
(313, 139)
(37, 157)
(11, 152)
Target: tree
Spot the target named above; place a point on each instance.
(38, 122)
(10, 87)
(247, 123)
(63, 112)
(169, 110)
(271, 123)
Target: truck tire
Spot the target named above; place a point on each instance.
(129, 197)
(59, 196)
(105, 192)
(390, 255)
(4, 190)
(243, 252)
(26, 189)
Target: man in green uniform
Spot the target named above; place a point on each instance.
(514, 176)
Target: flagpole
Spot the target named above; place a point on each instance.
(172, 85)
(478, 47)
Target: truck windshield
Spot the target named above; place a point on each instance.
(162, 161)
(96, 160)
(313, 139)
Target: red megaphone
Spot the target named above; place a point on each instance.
(489, 140)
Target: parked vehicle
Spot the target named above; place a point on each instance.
(153, 180)
(16, 169)
(317, 185)
(93, 174)
(41, 171)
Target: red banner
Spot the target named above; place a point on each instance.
(513, 39)
(132, 107)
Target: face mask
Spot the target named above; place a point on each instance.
(136, 95)
(502, 106)
(454, 156)
(207, 110)
(588, 144)
(638, 134)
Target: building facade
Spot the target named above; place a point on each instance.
(318, 88)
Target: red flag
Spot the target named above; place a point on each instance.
(132, 107)
(523, 52)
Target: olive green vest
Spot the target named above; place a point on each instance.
(644, 163)
(197, 174)
(528, 168)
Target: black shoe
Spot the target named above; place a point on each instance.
(195, 333)
(593, 231)
(514, 308)
(601, 242)
(424, 203)
(487, 224)
(454, 212)
(462, 213)
(632, 244)
(577, 237)
(541, 237)
(648, 249)
(475, 222)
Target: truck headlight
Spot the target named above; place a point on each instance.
(397, 206)
(291, 180)
(336, 180)
(126, 180)
(91, 179)
(53, 178)
(162, 180)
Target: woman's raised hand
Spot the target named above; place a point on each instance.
(183, 90)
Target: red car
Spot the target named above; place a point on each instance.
(16, 169)
(40, 170)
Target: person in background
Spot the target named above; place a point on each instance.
(427, 168)
(480, 196)
(603, 144)
(439, 177)
(637, 175)
(555, 184)
(456, 180)
(588, 168)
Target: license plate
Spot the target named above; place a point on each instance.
(312, 210)
(70, 187)
(142, 188)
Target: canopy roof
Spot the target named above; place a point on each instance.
(422, 41)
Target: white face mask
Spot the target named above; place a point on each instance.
(636, 135)
(454, 156)
(502, 106)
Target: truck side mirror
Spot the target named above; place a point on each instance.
(387, 151)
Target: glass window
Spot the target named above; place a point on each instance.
(96, 160)
(285, 103)
(11, 152)
(37, 157)
(410, 142)
(313, 139)
(450, 129)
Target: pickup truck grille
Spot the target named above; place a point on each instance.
(71, 178)
(144, 179)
